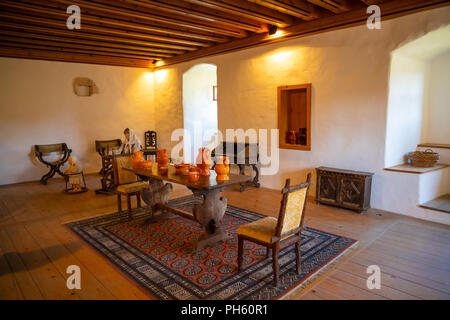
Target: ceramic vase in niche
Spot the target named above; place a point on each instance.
(301, 136)
(204, 161)
(291, 137)
(222, 168)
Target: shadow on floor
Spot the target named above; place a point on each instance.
(29, 260)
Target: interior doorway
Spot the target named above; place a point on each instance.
(199, 108)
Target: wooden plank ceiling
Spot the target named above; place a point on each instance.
(157, 33)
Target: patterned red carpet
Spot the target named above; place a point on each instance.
(160, 258)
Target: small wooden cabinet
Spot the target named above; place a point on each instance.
(344, 188)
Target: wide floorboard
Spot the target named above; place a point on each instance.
(35, 248)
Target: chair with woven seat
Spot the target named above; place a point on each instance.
(127, 182)
(279, 233)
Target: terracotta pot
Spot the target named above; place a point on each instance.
(146, 164)
(204, 169)
(184, 170)
(204, 161)
(222, 168)
(194, 174)
(180, 168)
(162, 158)
(137, 157)
(163, 170)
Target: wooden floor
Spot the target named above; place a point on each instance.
(35, 249)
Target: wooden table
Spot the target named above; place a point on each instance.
(209, 213)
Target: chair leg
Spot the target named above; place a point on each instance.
(119, 203)
(240, 252)
(297, 256)
(138, 197)
(275, 264)
(129, 205)
(267, 252)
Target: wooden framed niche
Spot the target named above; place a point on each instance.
(294, 116)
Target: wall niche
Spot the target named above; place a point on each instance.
(294, 116)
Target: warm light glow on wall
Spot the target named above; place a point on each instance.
(148, 76)
(281, 56)
(160, 75)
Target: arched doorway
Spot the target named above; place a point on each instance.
(199, 108)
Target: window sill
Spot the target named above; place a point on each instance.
(407, 168)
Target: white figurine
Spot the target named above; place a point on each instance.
(75, 178)
(130, 143)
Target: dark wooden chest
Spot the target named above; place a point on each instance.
(344, 188)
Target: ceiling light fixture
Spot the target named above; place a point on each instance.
(272, 30)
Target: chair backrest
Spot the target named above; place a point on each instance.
(49, 148)
(293, 205)
(102, 145)
(122, 176)
(45, 150)
(150, 141)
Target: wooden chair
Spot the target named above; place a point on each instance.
(127, 182)
(55, 166)
(105, 148)
(279, 233)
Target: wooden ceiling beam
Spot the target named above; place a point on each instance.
(370, 2)
(61, 25)
(27, 28)
(46, 12)
(5, 40)
(76, 50)
(390, 10)
(27, 53)
(247, 10)
(303, 10)
(153, 18)
(76, 40)
(200, 13)
(335, 6)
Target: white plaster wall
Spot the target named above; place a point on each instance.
(433, 185)
(38, 106)
(349, 72)
(408, 89)
(438, 117)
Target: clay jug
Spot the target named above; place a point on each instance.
(137, 157)
(222, 168)
(204, 161)
(162, 158)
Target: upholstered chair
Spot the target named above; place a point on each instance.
(279, 233)
(127, 182)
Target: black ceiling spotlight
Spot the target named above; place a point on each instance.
(154, 61)
(272, 30)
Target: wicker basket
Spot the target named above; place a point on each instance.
(423, 159)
